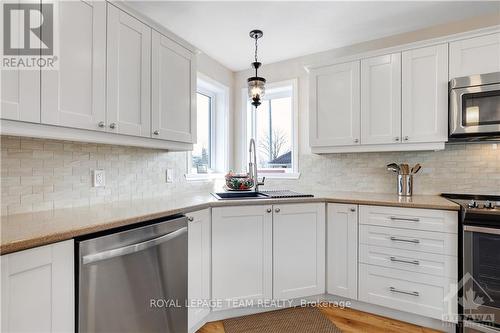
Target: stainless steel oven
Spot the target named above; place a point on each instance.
(474, 112)
(481, 283)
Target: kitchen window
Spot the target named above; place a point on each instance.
(274, 126)
(209, 156)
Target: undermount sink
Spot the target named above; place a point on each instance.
(239, 195)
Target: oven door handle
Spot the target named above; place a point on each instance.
(483, 230)
(121, 251)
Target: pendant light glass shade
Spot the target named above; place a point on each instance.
(256, 89)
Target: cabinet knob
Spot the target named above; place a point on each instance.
(406, 138)
(356, 140)
(190, 219)
(396, 138)
(101, 124)
(112, 125)
(156, 132)
(277, 210)
(269, 210)
(352, 209)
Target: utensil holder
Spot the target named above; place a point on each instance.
(405, 185)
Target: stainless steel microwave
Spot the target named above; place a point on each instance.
(474, 112)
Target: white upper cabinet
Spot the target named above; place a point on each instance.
(342, 250)
(335, 105)
(479, 55)
(425, 94)
(298, 233)
(174, 91)
(38, 289)
(381, 99)
(242, 253)
(129, 74)
(74, 95)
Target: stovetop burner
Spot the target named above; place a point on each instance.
(477, 209)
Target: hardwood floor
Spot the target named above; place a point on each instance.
(349, 321)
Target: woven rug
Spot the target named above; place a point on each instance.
(292, 320)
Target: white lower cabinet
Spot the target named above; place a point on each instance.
(342, 250)
(241, 254)
(199, 229)
(298, 250)
(38, 289)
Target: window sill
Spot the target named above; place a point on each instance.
(288, 175)
(202, 176)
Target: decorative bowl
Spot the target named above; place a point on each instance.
(238, 182)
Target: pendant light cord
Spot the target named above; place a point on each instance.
(256, 49)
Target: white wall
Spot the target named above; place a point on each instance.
(326, 169)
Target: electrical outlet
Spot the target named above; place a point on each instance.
(99, 178)
(169, 176)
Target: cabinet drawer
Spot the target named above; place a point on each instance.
(409, 218)
(423, 294)
(411, 261)
(413, 240)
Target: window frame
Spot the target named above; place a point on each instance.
(219, 126)
(249, 125)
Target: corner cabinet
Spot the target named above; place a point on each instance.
(342, 250)
(298, 250)
(38, 289)
(174, 91)
(334, 97)
(241, 254)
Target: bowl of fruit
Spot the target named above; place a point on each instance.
(238, 182)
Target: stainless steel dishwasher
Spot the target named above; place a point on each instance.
(134, 280)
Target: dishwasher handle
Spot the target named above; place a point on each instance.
(121, 251)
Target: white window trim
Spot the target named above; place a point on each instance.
(247, 121)
(219, 145)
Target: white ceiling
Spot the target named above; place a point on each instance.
(292, 29)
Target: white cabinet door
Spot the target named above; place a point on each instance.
(174, 91)
(342, 250)
(129, 74)
(334, 105)
(198, 266)
(425, 94)
(38, 289)
(74, 95)
(241, 253)
(381, 99)
(298, 250)
(479, 55)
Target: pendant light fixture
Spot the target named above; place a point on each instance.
(256, 84)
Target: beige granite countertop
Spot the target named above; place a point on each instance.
(28, 230)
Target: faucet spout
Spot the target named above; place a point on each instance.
(252, 166)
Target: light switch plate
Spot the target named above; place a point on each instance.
(99, 178)
(169, 176)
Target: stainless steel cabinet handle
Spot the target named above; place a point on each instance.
(412, 293)
(396, 239)
(413, 262)
(396, 138)
(406, 138)
(112, 125)
(91, 258)
(156, 132)
(101, 124)
(356, 140)
(352, 209)
(269, 210)
(277, 210)
(190, 219)
(395, 218)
